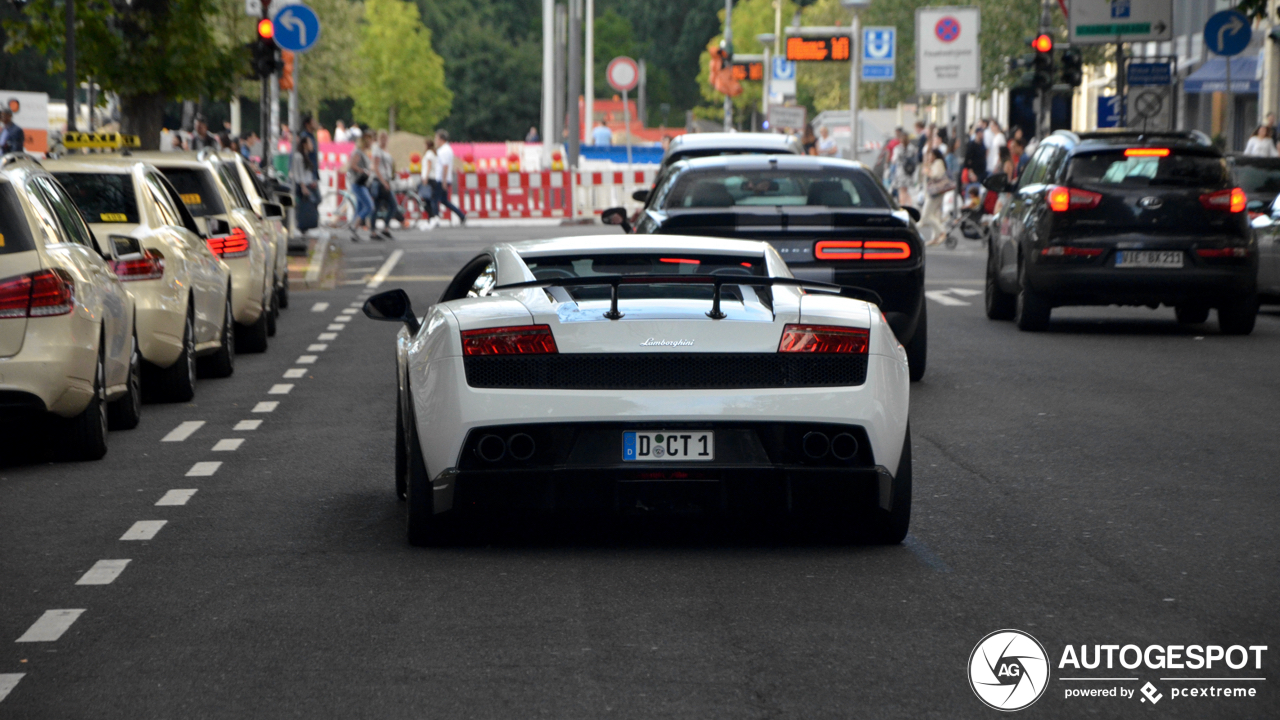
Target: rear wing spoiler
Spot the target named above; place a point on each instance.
(613, 281)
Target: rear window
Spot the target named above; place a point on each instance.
(820, 188)
(1174, 170)
(674, 263)
(15, 233)
(1258, 180)
(102, 197)
(195, 187)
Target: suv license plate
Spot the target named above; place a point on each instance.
(1149, 258)
(668, 446)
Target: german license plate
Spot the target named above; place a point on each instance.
(1149, 258)
(668, 446)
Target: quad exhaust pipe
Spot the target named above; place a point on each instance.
(817, 445)
(519, 446)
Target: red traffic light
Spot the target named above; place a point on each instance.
(266, 30)
(1043, 44)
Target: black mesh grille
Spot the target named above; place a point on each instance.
(666, 371)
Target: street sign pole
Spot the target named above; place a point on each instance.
(855, 69)
(728, 101)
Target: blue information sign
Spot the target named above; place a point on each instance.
(1108, 111)
(1227, 33)
(879, 44)
(877, 73)
(297, 27)
(1158, 73)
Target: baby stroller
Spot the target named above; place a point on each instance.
(971, 216)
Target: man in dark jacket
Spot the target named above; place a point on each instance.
(975, 157)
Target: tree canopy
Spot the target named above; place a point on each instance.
(401, 78)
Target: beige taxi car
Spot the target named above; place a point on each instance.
(181, 289)
(270, 208)
(68, 344)
(233, 232)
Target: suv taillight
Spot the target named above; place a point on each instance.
(230, 246)
(1233, 200)
(519, 340)
(38, 294)
(149, 267)
(824, 339)
(1062, 199)
(862, 250)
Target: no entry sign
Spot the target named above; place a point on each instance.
(623, 73)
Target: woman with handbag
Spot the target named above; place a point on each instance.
(937, 185)
(358, 172)
(306, 186)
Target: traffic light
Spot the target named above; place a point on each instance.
(266, 56)
(1043, 63)
(286, 70)
(1072, 67)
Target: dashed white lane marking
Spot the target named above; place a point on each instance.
(204, 469)
(342, 319)
(281, 389)
(317, 347)
(266, 406)
(183, 431)
(248, 425)
(50, 626)
(941, 297)
(103, 572)
(143, 530)
(176, 497)
(351, 309)
(292, 373)
(228, 444)
(306, 360)
(8, 681)
(335, 326)
(327, 336)
(381, 276)
(320, 307)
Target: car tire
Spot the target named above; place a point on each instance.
(1238, 316)
(889, 527)
(274, 304)
(1031, 309)
(223, 363)
(918, 349)
(1000, 305)
(283, 293)
(177, 383)
(126, 412)
(253, 338)
(425, 528)
(402, 454)
(86, 433)
(1192, 314)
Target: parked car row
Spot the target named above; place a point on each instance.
(123, 277)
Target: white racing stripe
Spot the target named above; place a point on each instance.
(143, 530)
(228, 444)
(320, 307)
(306, 360)
(8, 681)
(176, 497)
(103, 572)
(183, 431)
(281, 389)
(248, 425)
(204, 469)
(293, 373)
(50, 626)
(317, 347)
(266, 406)
(327, 336)
(381, 276)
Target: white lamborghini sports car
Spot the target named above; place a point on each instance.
(649, 374)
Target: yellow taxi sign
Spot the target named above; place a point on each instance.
(105, 141)
(190, 198)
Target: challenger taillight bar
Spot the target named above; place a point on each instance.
(614, 281)
(862, 250)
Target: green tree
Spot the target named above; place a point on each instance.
(144, 50)
(401, 78)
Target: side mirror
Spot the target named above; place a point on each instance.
(914, 213)
(616, 216)
(1254, 206)
(284, 199)
(272, 210)
(997, 183)
(392, 305)
(641, 195)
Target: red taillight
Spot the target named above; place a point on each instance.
(522, 340)
(824, 339)
(1233, 200)
(148, 267)
(39, 294)
(228, 246)
(1227, 252)
(680, 261)
(1069, 251)
(862, 250)
(1062, 199)
(15, 297)
(1146, 152)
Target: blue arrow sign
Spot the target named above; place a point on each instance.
(878, 44)
(297, 28)
(1227, 33)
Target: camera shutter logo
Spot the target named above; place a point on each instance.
(1008, 670)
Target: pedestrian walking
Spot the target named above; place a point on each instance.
(994, 139)
(359, 167)
(826, 144)
(937, 185)
(809, 141)
(426, 190)
(340, 133)
(1261, 144)
(202, 138)
(11, 136)
(384, 173)
(442, 183)
(975, 158)
(902, 166)
(305, 178)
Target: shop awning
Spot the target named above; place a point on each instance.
(1212, 76)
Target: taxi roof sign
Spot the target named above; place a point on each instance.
(106, 141)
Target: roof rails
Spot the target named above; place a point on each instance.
(13, 157)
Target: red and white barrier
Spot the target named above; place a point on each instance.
(514, 195)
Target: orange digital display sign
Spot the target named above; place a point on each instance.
(748, 71)
(818, 49)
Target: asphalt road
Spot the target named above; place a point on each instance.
(1112, 481)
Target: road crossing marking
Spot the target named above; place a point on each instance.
(247, 425)
(317, 347)
(327, 336)
(293, 373)
(228, 444)
(306, 360)
(334, 327)
(183, 431)
(964, 292)
(50, 626)
(381, 276)
(8, 681)
(266, 406)
(320, 307)
(176, 497)
(942, 298)
(281, 389)
(204, 469)
(143, 530)
(103, 572)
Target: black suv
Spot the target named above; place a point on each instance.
(1123, 218)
